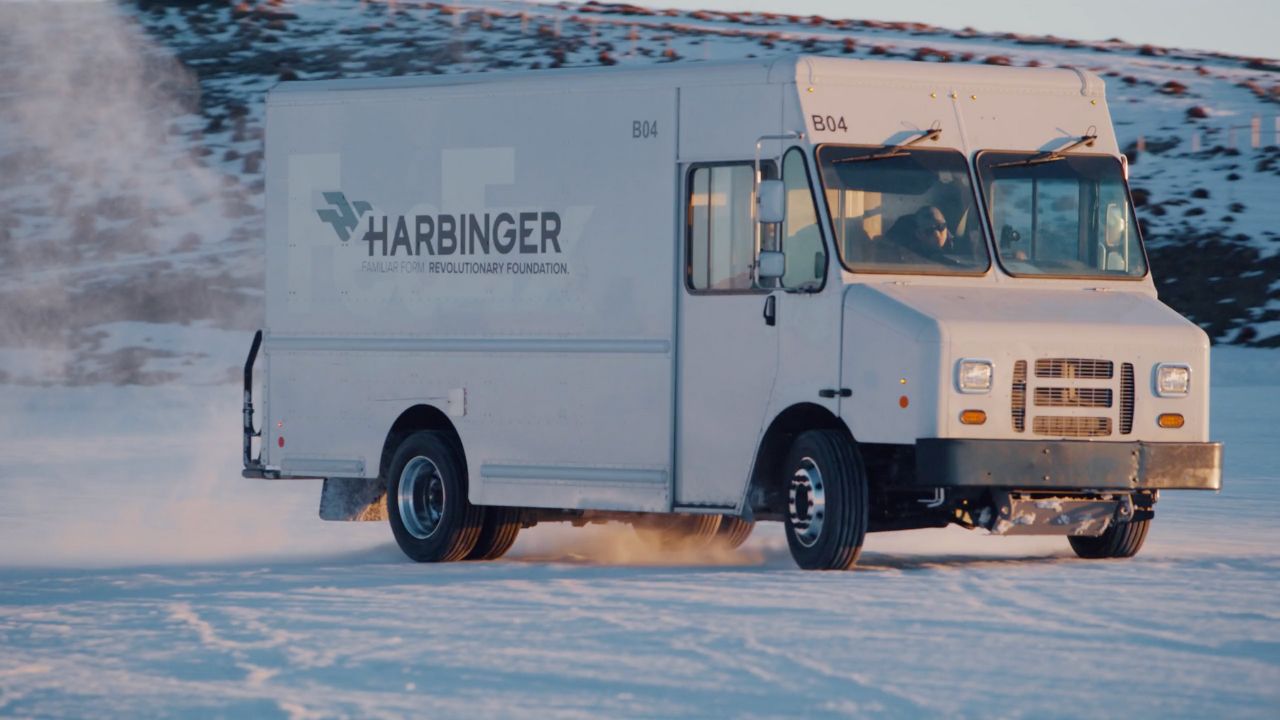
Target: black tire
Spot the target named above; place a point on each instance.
(677, 531)
(498, 534)
(1120, 540)
(827, 500)
(443, 525)
(733, 531)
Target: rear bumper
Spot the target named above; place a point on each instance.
(1068, 464)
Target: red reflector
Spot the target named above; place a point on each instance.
(280, 441)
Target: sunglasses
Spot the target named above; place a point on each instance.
(940, 227)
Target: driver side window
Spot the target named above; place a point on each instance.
(801, 238)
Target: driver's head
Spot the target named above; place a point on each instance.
(931, 226)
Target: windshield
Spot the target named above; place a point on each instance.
(908, 210)
(1065, 215)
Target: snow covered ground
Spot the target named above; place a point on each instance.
(139, 576)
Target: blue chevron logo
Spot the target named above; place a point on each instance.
(343, 216)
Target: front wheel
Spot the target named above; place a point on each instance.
(427, 504)
(1119, 540)
(826, 501)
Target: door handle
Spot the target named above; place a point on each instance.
(771, 310)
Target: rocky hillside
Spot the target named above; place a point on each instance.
(131, 152)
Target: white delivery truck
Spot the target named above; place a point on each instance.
(849, 296)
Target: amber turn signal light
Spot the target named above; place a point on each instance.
(1170, 420)
(973, 417)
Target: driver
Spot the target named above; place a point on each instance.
(932, 238)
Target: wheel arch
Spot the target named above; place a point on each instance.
(415, 419)
(766, 493)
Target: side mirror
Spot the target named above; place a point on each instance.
(772, 265)
(771, 202)
(1117, 224)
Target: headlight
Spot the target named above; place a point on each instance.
(973, 376)
(1172, 380)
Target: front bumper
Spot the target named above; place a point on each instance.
(1068, 464)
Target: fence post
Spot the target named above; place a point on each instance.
(1195, 141)
(1255, 131)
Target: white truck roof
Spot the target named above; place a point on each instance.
(803, 70)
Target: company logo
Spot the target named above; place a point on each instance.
(346, 216)
(519, 232)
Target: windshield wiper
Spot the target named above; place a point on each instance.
(895, 151)
(1053, 155)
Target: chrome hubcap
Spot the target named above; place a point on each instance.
(807, 502)
(421, 497)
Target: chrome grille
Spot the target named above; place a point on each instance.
(1085, 387)
(1020, 396)
(1126, 398)
(1077, 368)
(1071, 426)
(1073, 397)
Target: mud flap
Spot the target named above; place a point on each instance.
(353, 499)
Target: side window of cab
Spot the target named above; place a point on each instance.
(802, 244)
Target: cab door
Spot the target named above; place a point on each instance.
(810, 302)
(727, 352)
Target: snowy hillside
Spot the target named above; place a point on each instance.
(131, 212)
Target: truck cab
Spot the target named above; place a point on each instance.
(849, 296)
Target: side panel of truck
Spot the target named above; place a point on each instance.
(574, 193)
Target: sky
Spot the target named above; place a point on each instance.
(1239, 27)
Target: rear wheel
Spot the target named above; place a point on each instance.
(734, 531)
(427, 505)
(826, 501)
(1120, 540)
(501, 526)
(677, 531)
